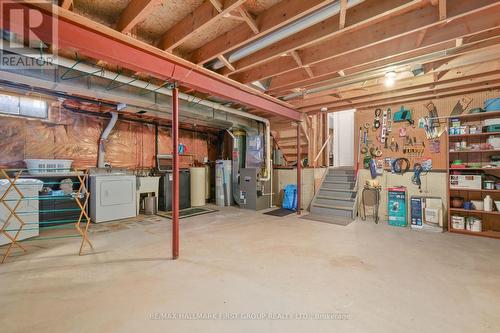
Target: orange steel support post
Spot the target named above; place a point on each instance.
(175, 171)
(299, 168)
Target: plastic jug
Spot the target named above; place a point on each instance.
(488, 204)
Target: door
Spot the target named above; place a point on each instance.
(343, 138)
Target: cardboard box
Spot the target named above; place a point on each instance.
(473, 182)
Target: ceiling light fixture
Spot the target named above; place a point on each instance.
(390, 79)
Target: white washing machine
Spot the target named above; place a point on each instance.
(28, 208)
(112, 197)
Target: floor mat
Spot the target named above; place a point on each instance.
(280, 212)
(328, 219)
(188, 212)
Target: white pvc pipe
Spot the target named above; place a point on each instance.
(286, 31)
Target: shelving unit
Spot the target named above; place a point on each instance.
(490, 220)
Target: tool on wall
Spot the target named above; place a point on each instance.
(383, 131)
(376, 120)
(461, 105)
(415, 179)
(359, 148)
(403, 115)
(365, 132)
(394, 147)
(435, 146)
(400, 165)
(389, 120)
(431, 123)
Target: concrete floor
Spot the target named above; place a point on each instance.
(376, 278)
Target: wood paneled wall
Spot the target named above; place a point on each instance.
(444, 107)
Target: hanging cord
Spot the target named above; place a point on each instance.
(397, 165)
(415, 179)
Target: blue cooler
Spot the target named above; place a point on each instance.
(492, 104)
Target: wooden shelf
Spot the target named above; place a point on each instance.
(473, 135)
(474, 190)
(474, 169)
(485, 233)
(480, 115)
(475, 151)
(482, 212)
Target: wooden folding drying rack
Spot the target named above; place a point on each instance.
(81, 197)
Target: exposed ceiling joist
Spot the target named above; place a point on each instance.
(343, 11)
(458, 76)
(296, 56)
(218, 5)
(275, 17)
(195, 21)
(67, 4)
(225, 62)
(363, 14)
(309, 71)
(442, 9)
(469, 17)
(134, 13)
(248, 18)
(430, 94)
(441, 39)
(97, 41)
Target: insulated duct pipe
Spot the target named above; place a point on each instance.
(101, 162)
(127, 80)
(286, 31)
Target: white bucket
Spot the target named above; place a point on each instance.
(458, 222)
(474, 224)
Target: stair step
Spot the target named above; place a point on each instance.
(338, 182)
(333, 207)
(340, 178)
(326, 197)
(337, 185)
(337, 190)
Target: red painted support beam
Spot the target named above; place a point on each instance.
(299, 169)
(97, 41)
(175, 173)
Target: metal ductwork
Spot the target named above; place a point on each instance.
(146, 86)
(286, 31)
(101, 162)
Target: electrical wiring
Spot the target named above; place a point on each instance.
(397, 165)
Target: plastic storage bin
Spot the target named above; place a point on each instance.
(39, 166)
(290, 197)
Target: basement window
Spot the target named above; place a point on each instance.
(23, 106)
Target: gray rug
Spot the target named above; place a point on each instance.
(280, 212)
(328, 219)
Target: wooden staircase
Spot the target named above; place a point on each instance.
(286, 141)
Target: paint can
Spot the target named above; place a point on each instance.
(458, 222)
(489, 185)
(474, 224)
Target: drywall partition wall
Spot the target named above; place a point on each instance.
(75, 135)
(311, 180)
(343, 138)
(433, 185)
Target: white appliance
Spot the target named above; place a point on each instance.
(223, 183)
(27, 210)
(112, 196)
